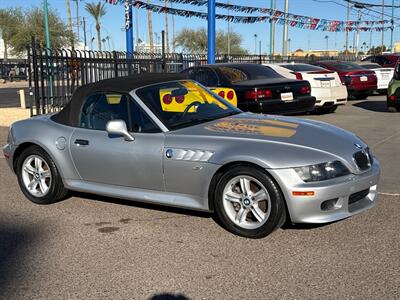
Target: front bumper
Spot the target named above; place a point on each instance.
(310, 209)
(8, 152)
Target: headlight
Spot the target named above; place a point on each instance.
(322, 171)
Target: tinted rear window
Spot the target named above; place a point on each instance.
(302, 68)
(371, 66)
(346, 66)
(238, 73)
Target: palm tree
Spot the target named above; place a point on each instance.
(96, 10)
(70, 21)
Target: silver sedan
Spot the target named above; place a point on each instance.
(167, 140)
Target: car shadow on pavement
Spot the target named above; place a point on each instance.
(377, 106)
(16, 244)
(168, 296)
(304, 226)
(134, 203)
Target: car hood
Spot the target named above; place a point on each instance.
(308, 136)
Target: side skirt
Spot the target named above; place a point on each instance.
(135, 194)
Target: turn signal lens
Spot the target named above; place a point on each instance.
(303, 193)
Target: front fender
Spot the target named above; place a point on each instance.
(44, 132)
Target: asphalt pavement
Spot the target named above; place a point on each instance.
(9, 97)
(89, 247)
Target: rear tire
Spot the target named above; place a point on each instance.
(38, 177)
(360, 96)
(248, 202)
(326, 109)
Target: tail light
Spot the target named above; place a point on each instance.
(230, 95)
(256, 94)
(298, 75)
(179, 99)
(392, 98)
(167, 99)
(221, 94)
(304, 90)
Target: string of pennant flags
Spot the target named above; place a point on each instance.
(269, 15)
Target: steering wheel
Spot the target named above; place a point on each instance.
(194, 103)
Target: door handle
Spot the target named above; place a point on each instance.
(81, 142)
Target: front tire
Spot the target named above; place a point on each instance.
(248, 202)
(38, 177)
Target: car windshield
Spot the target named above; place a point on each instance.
(345, 66)
(302, 67)
(184, 103)
(236, 73)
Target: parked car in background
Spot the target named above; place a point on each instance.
(258, 88)
(393, 94)
(384, 60)
(326, 86)
(115, 138)
(383, 75)
(360, 82)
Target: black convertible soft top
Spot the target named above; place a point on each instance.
(69, 115)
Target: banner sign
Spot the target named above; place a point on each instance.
(270, 15)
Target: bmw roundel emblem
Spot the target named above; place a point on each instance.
(169, 153)
(358, 146)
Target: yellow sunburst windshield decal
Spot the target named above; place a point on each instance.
(265, 127)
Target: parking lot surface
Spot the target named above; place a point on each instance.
(89, 247)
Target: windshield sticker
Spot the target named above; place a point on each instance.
(178, 99)
(254, 126)
(113, 99)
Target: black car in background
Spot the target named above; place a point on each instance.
(258, 88)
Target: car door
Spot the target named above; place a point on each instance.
(102, 158)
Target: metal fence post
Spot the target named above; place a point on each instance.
(35, 75)
(116, 63)
(163, 51)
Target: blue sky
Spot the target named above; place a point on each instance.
(113, 22)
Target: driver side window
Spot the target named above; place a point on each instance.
(100, 108)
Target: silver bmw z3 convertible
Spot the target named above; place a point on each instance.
(168, 140)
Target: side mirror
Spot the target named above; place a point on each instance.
(118, 127)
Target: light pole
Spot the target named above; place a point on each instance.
(392, 28)
(289, 40)
(285, 30)
(383, 25)
(255, 43)
(48, 47)
(327, 42)
(108, 42)
(91, 43)
(272, 29)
